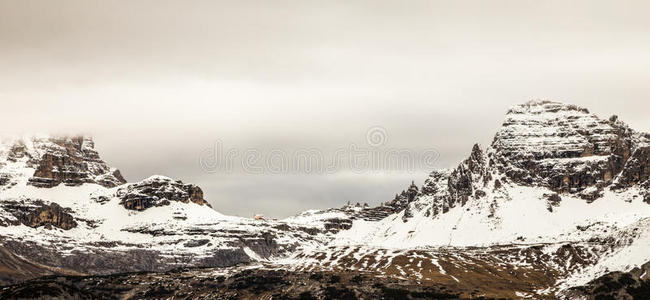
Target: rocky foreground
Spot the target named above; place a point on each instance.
(269, 282)
(255, 283)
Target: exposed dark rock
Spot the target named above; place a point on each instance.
(308, 230)
(263, 245)
(4, 179)
(48, 216)
(411, 193)
(158, 191)
(18, 151)
(451, 189)
(35, 213)
(566, 149)
(337, 224)
(591, 194)
(375, 213)
(106, 261)
(243, 284)
(637, 169)
(101, 199)
(462, 179)
(196, 243)
(68, 160)
(552, 200)
(497, 184)
(460, 186)
(616, 285)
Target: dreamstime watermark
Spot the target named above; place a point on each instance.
(372, 157)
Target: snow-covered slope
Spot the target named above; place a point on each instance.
(553, 173)
(554, 176)
(522, 217)
(83, 221)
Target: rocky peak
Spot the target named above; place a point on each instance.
(158, 191)
(476, 160)
(563, 147)
(412, 191)
(546, 144)
(467, 178)
(68, 160)
(545, 129)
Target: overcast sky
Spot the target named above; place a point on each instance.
(159, 82)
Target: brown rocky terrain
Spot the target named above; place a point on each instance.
(258, 283)
(633, 285)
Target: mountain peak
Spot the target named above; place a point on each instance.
(545, 129)
(564, 147)
(158, 190)
(71, 160)
(545, 106)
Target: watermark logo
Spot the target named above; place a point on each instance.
(376, 136)
(375, 156)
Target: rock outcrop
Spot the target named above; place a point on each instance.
(637, 168)
(158, 191)
(4, 179)
(73, 161)
(48, 216)
(410, 194)
(615, 285)
(567, 149)
(448, 189)
(337, 224)
(36, 213)
(68, 160)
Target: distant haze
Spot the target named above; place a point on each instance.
(159, 82)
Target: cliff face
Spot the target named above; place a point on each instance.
(549, 145)
(447, 189)
(56, 160)
(48, 216)
(567, 149)
(36, 213)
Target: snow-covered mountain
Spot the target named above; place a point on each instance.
(553, 172)
(559, 191)
(62, 206)
(559, 198)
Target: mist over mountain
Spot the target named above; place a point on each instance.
(558, 200)
(423, 149)
(155, 89)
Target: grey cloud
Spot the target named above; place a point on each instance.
(158, 81)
